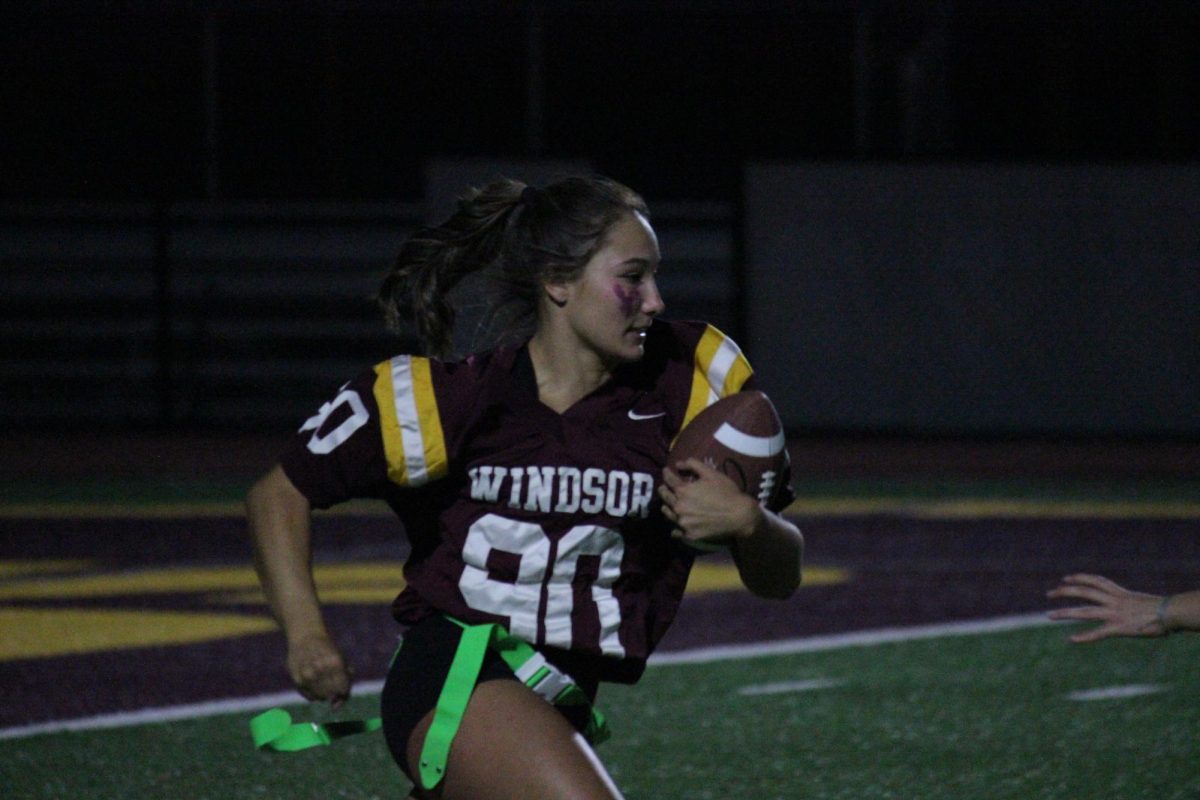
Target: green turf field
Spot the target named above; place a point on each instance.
(983, 716)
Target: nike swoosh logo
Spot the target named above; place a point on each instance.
(635, 416)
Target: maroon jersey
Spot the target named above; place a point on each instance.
(547, 523)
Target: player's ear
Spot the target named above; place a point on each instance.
(557, 291)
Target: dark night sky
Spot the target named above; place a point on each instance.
(345, 101)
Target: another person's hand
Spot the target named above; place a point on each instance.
(706, 505)
(319, 670)
(1119, 611)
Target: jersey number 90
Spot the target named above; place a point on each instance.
(543, 563)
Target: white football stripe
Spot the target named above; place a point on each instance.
(747, 445)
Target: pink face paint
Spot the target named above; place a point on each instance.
(629, 299)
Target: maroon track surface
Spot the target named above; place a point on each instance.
(904, 571)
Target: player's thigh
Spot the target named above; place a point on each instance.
(513, 744)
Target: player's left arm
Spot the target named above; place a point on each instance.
(768, 549)
(709, 507)
(770, 558)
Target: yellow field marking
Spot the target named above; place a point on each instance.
(359, 583)
(44, 632)
(40, 633)
(381, 594)
(72, 510)
(18, 569)
(190, 580)
(169, 510)
(719, 577)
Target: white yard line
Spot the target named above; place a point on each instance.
(788, 687)
(1116, 692)
(837, 641)
(704, 655)
(151, 716)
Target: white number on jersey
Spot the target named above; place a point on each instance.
(322, 445)
(521, 601)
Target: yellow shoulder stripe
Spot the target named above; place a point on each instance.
(720, 370)
(410, 424)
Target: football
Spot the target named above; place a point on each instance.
(742, 436)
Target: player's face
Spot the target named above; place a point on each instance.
(611, 304)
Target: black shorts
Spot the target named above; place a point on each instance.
(414, 683)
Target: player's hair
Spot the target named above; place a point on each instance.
(518, 236)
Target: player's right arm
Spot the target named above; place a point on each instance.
(382, 429)
(280, 526)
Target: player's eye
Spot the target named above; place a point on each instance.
(639, 273)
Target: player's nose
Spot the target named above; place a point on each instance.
(652, 302)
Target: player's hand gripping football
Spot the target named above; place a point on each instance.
(705, 505)
(318, 669)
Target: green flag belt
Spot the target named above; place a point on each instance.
(275, 730)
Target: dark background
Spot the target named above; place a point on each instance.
(174, 101)
(196, 198)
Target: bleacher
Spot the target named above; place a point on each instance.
(237, 316)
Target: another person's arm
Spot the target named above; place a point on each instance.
(281, 528)
(1122, 612)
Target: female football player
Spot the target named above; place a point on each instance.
(548, 537)
(1122, 612)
